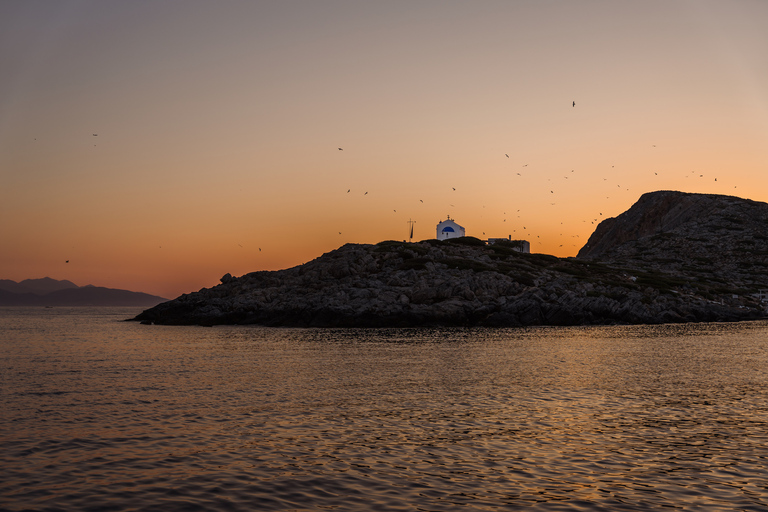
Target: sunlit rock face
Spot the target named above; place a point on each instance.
(662, 261)
(701, 237)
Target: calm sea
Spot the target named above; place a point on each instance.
(100, 414)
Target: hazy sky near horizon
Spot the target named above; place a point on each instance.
(158, 145)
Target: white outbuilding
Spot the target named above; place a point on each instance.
(449, 229)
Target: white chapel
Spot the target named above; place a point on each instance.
(449, 229)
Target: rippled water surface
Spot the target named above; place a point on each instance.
(99, 414)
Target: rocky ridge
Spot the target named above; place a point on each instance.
(640, 267)
(703, 239)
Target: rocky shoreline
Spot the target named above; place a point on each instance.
(450, 284)
(672, 257)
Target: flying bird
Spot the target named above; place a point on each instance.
(341, 149)
(66, 261)
(365, 194)
(421, 200)
(574, 103)
(95, 134)
(506, 155)
(348, 190)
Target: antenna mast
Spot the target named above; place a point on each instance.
(411, 222)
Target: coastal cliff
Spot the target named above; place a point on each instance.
(662, 261)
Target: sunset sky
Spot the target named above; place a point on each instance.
(158, 145)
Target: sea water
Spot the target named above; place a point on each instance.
(101, 414)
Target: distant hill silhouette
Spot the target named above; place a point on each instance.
(36, 286)
(52, 292)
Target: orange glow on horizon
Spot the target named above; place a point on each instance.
(156, 156)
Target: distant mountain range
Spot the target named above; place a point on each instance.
(52, 292)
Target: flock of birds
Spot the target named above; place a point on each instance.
(520, 174)
(552, 192)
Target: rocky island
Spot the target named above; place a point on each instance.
(672, 257)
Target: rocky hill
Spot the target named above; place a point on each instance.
(664, 260)
(703, 238)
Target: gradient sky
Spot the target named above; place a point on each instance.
(158, 145)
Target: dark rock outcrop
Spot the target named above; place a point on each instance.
(636, 268)
(701, 238)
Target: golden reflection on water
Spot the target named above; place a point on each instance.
(100, 413)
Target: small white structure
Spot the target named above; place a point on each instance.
(449, 229)
(517, 245)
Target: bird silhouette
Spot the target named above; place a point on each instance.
(66, 261)
(341, 149)
(365, 194)
(348, 190)
(506, 155)
(421, 200)
(574, 103)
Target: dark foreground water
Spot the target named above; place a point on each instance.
(99, 414)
